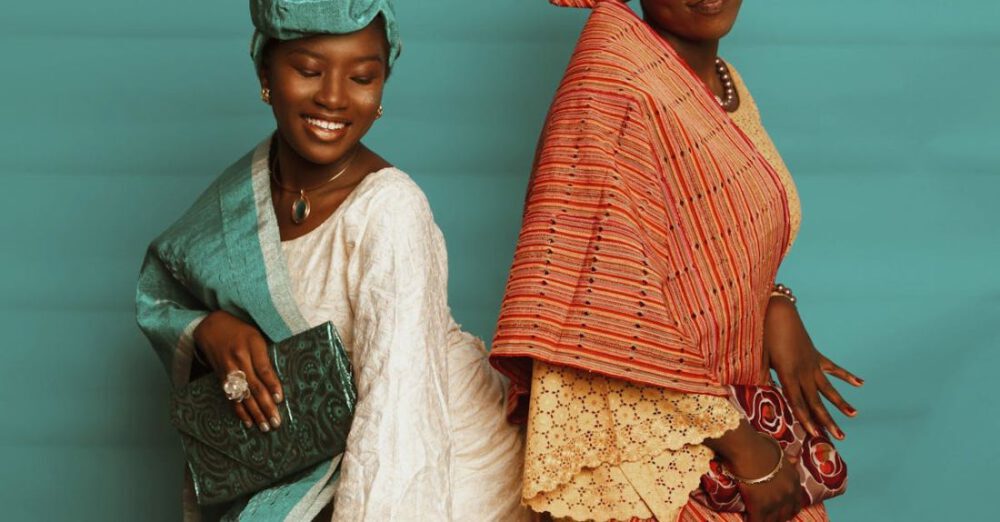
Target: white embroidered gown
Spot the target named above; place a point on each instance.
(429, 439)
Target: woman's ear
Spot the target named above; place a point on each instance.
(265, 86)
(262, 77)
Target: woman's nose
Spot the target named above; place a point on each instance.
(331, 93)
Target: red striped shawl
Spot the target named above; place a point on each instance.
(652, 230)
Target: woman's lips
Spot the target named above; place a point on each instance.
(708, 7)
(326, 130)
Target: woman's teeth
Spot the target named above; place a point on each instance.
(326, 125)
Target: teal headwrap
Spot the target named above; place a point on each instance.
(291, 19)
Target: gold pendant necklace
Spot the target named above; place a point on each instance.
(301, 207)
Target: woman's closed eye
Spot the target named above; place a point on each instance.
(307, 73)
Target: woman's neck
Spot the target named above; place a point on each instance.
(298, 172)
(700, 57)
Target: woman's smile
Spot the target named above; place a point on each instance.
(708, 7)
(326, 129)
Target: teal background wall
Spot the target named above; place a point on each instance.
(114, 114)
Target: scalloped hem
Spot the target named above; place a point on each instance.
(579, 422)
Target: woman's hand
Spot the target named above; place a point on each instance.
(777, 500)
(802, 369)
(231, 344)
(748, 454)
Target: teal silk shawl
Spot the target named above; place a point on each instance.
(224, 253)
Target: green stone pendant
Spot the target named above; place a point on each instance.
(300, 208)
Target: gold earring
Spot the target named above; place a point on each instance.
(379, 113)
(265, 95)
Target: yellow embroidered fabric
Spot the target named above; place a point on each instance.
(605, 449)
(747, 118)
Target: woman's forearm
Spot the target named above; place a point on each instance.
(745, 452)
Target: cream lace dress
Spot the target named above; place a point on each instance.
(429, 440)
(606, 449)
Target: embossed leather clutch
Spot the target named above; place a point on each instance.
(228, 460)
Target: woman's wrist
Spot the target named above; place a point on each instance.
(782, 291)
(745, 452)
(733, 442)
(778, 459)
(199, 330)
(781, 309)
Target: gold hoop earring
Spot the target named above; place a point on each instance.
(265, 95)
(378, 114)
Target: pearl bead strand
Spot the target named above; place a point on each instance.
(729, 102)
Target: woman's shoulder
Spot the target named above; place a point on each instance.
(204, 217)
(739, 82)
(391, 194)
(390, 180)
(748, 106)
(734, 71)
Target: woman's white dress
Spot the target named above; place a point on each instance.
(429, 439)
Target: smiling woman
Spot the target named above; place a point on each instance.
(325, 92)
(313, 227)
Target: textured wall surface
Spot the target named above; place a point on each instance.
(115, 114)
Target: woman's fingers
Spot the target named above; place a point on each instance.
(269, 418)
(774, 501)
(791, 509)
(265, 370)
(241, 412)
(819, 410)
(249, 403)
(831, 393)
(773, 512)
(234, 345)
(832, 368)
(793, 392)
(786, 508)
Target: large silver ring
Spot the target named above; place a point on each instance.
(236, 386)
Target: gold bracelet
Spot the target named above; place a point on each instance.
(766, 478)
(783, 291)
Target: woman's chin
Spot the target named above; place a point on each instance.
(318, 154)
(711, 32)
(324, 159)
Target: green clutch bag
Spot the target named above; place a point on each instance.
(228, 460)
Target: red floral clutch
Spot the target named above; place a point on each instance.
(822, 472)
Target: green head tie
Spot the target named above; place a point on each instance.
(291, 19)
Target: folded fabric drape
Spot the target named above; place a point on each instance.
(291, 19)
(652, 231)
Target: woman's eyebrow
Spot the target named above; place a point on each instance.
(369, 58)
(303, 50)
(360, 59)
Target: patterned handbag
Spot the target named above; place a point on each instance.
(822, 471)
(228, 460)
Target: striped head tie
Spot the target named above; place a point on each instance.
(586, 4)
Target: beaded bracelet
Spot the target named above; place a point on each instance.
(766, 478)
(783, 291)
